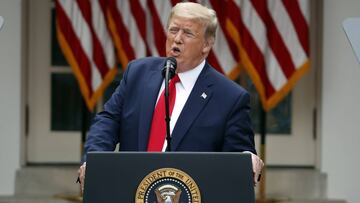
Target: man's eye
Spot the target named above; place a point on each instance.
(189, 34)
(173, 30)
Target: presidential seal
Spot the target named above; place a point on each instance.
(168, 185)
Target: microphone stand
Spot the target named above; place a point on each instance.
(167, 113)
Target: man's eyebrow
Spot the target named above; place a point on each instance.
(187, 30)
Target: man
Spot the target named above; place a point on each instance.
(210, 112)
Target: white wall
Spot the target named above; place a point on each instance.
(340, 104)
(10, 93)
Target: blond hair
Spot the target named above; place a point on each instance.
(199, 12)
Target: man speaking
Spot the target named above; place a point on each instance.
(209, 112)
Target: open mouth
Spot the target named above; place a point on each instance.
(175, 51)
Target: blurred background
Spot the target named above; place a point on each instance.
(312, 113)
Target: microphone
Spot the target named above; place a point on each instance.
(1, 22)
(170, 64)
(168, 72)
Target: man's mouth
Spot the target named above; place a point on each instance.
(175, 51)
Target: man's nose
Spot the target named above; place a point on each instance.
(178, 37)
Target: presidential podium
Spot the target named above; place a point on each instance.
(171, 177)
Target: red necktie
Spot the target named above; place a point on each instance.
(158, 125)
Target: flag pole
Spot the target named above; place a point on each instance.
(84, 125)
(262, 185)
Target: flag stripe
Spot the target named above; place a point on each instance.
(222, 11)
(83, 36)
(113, 29)
(223, 53)
(97, 56)
(305, 9)
(225, 57)
(275, 41)
(135, 38)
(139, 15)
(299, 22)
(102, 32)
(87, 34)
(158, 29)
(214, 62)
(274, 72)
(287, 32)
(163, 11)
(67, 29)
(252, 22)
(140, 20)
(174, 2)
(121, 31)
(251, 47)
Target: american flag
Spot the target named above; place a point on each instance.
(87, 45)
(267, 38)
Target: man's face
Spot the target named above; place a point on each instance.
(186, 42)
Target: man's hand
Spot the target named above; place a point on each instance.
(257, 165)
(81, 176)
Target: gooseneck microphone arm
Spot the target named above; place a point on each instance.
(168, 73)
(167, 111)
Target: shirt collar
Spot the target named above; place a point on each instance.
(188, 78)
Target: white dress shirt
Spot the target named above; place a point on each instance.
(183, 90)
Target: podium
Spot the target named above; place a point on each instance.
(176, 177)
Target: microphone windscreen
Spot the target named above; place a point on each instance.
(172, 61)
(171, 64)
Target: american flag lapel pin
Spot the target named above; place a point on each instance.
(203, 95)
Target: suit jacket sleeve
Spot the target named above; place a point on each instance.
(104, 131)
(239, 135)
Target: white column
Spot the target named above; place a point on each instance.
(340, 113)
(10, 93)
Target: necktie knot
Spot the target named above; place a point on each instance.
(175, 79)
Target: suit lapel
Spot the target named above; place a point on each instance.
(149, 97)
(198, 98)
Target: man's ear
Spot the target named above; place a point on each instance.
(208, 45)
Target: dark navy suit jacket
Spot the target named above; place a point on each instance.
(219, 122)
